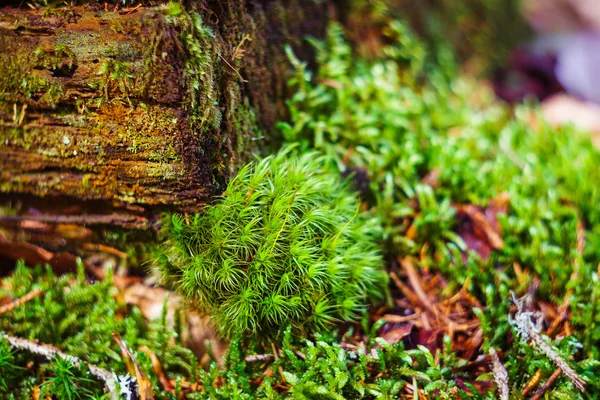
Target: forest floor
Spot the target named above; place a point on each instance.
(489, 230)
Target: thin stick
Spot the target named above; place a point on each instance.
(396, 319)
(131, 221)
(16, 303)
(532, 383)
(277, 359)
(528, 332)
(104, 249)
(259, 358)
(540, 392)
(134, 9)
(545, 348)
(500, 375)
(231, 66)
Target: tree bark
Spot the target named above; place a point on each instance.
(111, 115)
(146, 106)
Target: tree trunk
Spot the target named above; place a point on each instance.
(110, 115)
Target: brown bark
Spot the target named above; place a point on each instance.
(116, 114)
(94, 103)
(89, 112)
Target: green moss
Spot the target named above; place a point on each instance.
(369, 116)
(79, 318)
(115, 80)
(200, 77)
(285, 245)
(26, 76)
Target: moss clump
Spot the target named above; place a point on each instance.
(285, 245)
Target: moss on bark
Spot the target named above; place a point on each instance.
(153, 106)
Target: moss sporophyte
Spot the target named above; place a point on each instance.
(285, 244)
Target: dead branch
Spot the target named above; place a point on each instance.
(123, 220)
(259, 358)
(16, 303)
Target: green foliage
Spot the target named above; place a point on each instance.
(426, 146)
(326, 369)
(8, 370)
(366, 115)
(286, 244)
(79, 318)
(115, 78)
(374, 116)
(82, 316)
(63, 383)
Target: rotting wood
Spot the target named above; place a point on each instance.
(98, 108)
(95, 103)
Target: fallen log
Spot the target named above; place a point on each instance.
(110, 115)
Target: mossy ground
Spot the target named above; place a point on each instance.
(479, 202)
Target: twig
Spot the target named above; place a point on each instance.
(532, 383)
(500, 375)
(259, 358)
(397, 319)
(134, 9)
(540, 392)
(104, 249)
(277, 359)
(22, 117)
(231, 66)
(110, 378)
(16, 303)
(559, 362)
(529, 332)
(143, 384)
